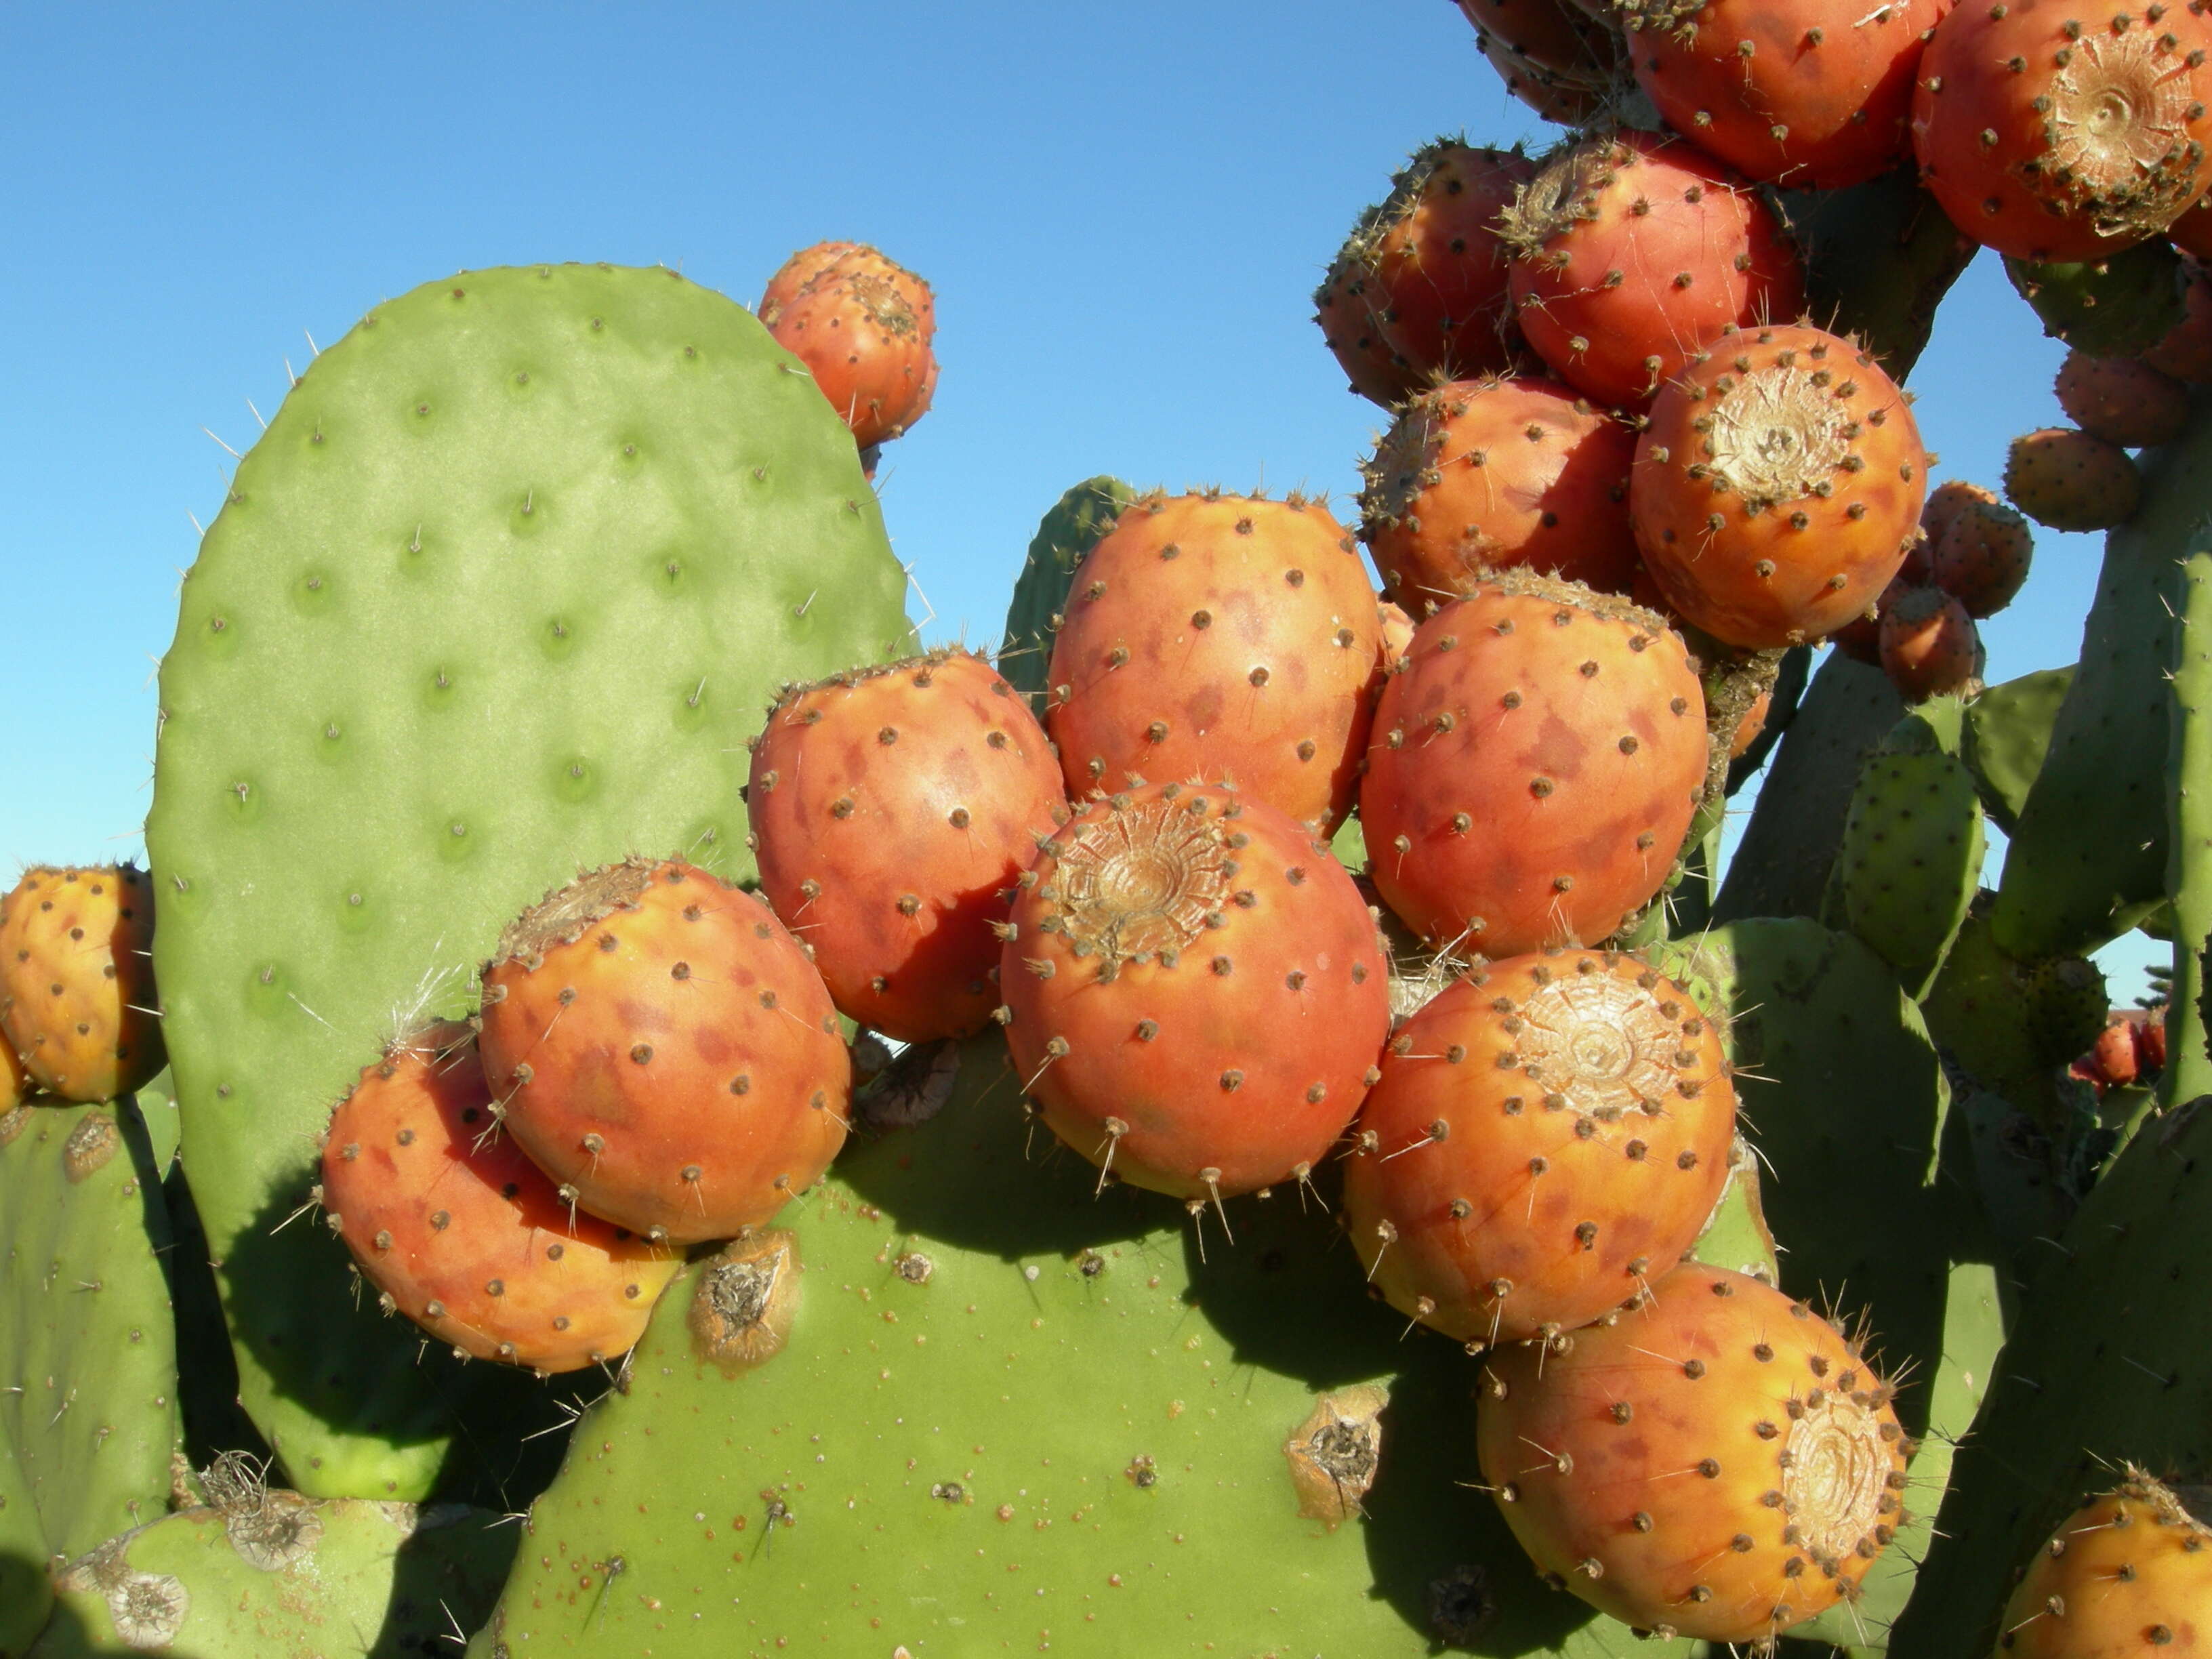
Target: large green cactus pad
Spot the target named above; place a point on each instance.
(1911, 862)
(88, 1351)
(2087, 859)
(1012, 1414)
(503, 589)
(1781, 866)
(281, 1577)
(2006, 734)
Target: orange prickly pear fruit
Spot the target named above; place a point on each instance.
(2129, 1572)
(77, 1002)
(1550, 1133)
(1717, 1462)
(459, 1230)
(1778, 487)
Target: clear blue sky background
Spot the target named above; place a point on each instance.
(1123, 211)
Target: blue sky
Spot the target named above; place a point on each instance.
(1123, 211)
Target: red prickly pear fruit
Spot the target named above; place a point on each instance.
(1719, 1462)
(2185, 353)
(1349, 329)
(664, 1049)
(2052, 137)
(2121, 400)
(461, 1233)
(1435, 271)
(1568, 100)
(1983, 557)
(1196, 994)
(893, 810)
(2129, 1571)
(1753, 723)
(1478, 475)
(2112, 1062)
(1225, 636)
(1929, 645)
(1552, 34)
(2192, 232)
(1631, 252)
(1778, 487)
(1807, 94)
(1397, 634)
(802, 268)
(863, 326)
(78, 1000)
(2150, 1043)
(1550, 1133)
(1534, 768)
(1859, 638)
(2071, 481)
(1944, 503)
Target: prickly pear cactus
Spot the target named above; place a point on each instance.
(1781, 866)
(2110, 307)
(1073, 526)
(88, 1348)
(2087, 858)
(1016, 1409)
(505, 587)
(274, 1573)
(2006, 734)
(1912, 857)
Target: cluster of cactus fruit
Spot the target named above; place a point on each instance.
(1259, 1119)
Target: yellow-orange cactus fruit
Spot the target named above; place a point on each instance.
(1778, 487)
(2128, 1573)
(76, 979)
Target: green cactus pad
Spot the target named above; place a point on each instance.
(2007, 733)
(1911, 862)
(27, 1590)
(2013, 1023)
(1869, 1193)
(87, 1354)
(504, 588)
(1879, 257)
(1012, 1414)
(2087, 859)
(2113, 308)
(284, 1577)
(1781, 866)
(1075, 525)
(1736, 1235)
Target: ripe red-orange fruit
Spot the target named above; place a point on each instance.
(2185, 353)
(2070, 480)
(2129, 1572)
(1810, 93)
(1778, 487)
(664, 1050)
(2192, 232)
(461, 1233)
(1478, 475)
(2121, 400)
(1550, 1133)
(16, 1083)
(863, 327)
(1397, 633)
(1220, 636)
(1859, 638)
(1929, 645)
(1633, 250)
(1348, 327)
(1983, 557)
(1753, 723)
(803, 267)
(1436, 270)
(2051, 134)
(1944, 503)
(1562, 60)
(1533, 768)
(1196, 994)
(892, 809)
(1719, 1462)
(78, 1000)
